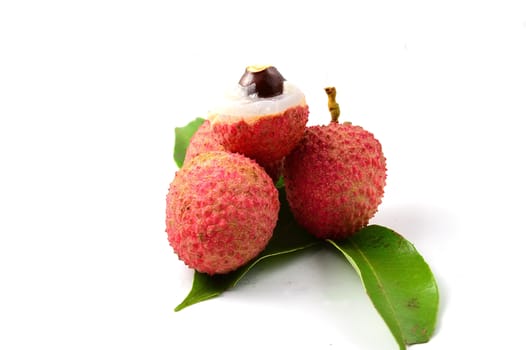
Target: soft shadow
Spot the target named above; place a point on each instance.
(420, 224)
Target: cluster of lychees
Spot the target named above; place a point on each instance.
(222, 206)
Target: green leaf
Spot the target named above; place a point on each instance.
(182, 139)
(281, 182)
(288, 237)
(398, 281)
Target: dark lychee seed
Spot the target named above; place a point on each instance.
(265, 81)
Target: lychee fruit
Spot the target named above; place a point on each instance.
(221, 210)
(203, 140)
(335, 177)
(263, 118)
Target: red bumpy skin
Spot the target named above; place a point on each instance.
(221, 210)
(267, 139)
(335, 179)
(204, 140)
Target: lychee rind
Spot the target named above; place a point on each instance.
(221, 210)
(266, 139)
(203, 140)
(335, 179)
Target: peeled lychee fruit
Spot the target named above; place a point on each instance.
(335, 177)
(221, 210)
(264, 118)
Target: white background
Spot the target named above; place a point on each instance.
(90, 92)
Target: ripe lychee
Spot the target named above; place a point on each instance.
(335, 177)
(203, 140)
(221, 210)
(264, 118)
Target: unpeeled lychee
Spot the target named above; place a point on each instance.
(221, 210)
(335, 178)
(264, 118)
(203, 140)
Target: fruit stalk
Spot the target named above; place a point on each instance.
(334, 107)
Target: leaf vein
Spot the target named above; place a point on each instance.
(380, 284)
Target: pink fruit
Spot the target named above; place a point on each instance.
(221, 210)
(204, 140)
(335, 178)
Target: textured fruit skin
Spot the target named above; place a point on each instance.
(266, 140)
(335, 179)
(203, 140)
(221, 210)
